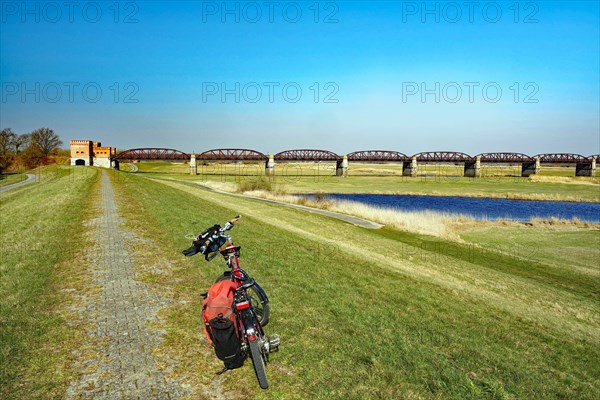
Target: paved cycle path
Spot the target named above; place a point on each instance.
(30, 178)
(119, 312)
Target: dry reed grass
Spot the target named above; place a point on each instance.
(422, 222)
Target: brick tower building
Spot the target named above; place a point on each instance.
(86, 152)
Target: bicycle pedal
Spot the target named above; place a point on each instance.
(272, 343)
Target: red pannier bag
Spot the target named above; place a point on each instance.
(220, 324)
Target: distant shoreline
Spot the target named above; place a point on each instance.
(524, 197)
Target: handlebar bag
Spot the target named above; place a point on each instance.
(220, 324)
(213, 230)
(216, 244)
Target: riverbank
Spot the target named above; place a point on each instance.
(440, 224)
(478, 208)
(548, 188)
(533, 188)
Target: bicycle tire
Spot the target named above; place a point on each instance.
(260, 304)
(259, 363)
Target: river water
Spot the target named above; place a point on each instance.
(481, 208)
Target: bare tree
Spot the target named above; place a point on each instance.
(22, 142)
(46, 140)
(7, 140)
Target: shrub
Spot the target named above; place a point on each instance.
(252, 185)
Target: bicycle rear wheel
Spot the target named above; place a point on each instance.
(259, 363)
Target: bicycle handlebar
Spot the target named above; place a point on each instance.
(229, 224)
(205, 242)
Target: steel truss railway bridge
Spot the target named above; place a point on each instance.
(530, 165)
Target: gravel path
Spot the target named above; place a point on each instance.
(30, 178)
(119, 312)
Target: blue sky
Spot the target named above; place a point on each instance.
(369, 62)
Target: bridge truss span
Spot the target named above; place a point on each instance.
(152, 153)
(378, 155)
(504, 157)
(232, 155)
(443, 156)
(563, 158)
(306, 155)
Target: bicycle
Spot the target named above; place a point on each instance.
(237, 332)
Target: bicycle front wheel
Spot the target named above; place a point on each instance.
(260, 304)
(259, 363)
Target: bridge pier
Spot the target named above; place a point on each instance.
(270, 166)
(409, 168)
(473, 168)
(193, 165)
(530, 168)
(115, 164)
(586, 169)
(341, 168)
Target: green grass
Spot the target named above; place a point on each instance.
(12, 178)
(382, 314)
(39, 236)
(554, 246)
(125, 167)
(161, 167)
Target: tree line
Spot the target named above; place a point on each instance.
(27, 150)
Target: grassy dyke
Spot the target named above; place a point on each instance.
(39, 239)
(378, 314)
